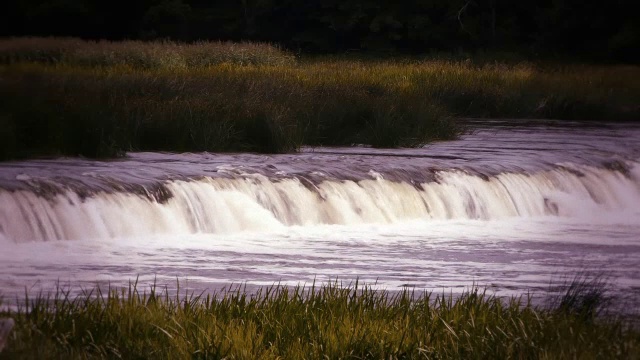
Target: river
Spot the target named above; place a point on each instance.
(512, 206)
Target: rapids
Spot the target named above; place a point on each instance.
(511, 206)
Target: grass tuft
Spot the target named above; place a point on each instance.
(584, 295)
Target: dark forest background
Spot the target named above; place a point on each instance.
(595, 30)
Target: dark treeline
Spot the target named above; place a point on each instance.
(588, 30)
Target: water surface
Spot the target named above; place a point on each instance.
(509, 206)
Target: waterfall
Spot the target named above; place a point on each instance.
(259, 203)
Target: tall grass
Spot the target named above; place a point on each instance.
(147, 55)
(56, 104)
(329, 321)
(584, 295)
(102, 112)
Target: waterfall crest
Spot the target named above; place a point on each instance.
(259, 203)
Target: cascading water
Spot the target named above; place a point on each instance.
(507, 207)
(257, 203)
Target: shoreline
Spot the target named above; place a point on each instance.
(95, 105)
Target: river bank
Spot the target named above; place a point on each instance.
(509, 207)
(329, 320)
(103, 99)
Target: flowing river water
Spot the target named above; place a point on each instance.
(511, 206)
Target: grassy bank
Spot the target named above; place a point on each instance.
(101, 99)
(326, 322)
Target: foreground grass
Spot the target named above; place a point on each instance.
(295, 323)
(103, 108)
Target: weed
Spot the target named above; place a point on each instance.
(584, 295)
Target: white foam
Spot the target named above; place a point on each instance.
(259, 204)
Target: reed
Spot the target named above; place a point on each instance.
(585, 295)
(103, 112)
(52, 103)
(146, 55)
(328, 321)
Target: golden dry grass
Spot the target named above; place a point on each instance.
(140, 99)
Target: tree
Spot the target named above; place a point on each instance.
(168, 19)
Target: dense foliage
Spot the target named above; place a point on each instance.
(594, 30)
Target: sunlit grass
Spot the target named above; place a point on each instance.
(328, 321)
(101, 112)
(147, 55)
(272, 104)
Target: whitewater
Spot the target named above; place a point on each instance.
(511, 206)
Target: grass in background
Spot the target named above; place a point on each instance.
(146, 55)
(102, 112)
(69, 97)
(295, 323)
